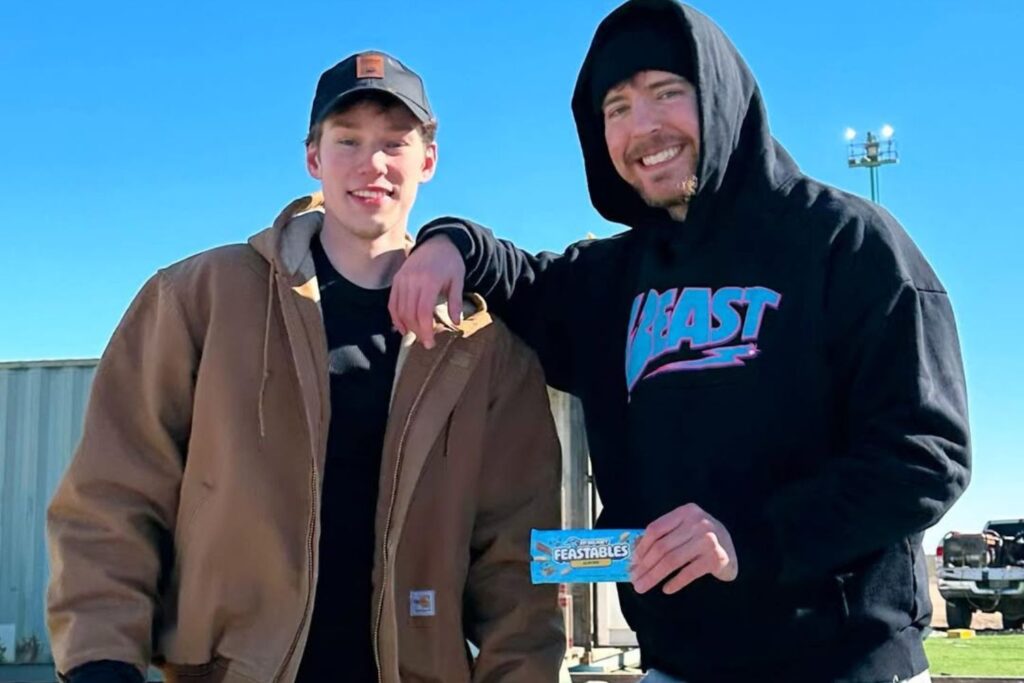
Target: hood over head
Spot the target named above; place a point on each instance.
(738, 153)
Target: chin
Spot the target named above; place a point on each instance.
(364, 231)
(664, 201)
(373, 233)
(660, 198)
(670, 194)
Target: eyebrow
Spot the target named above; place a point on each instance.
(612, 98)
(669, 80)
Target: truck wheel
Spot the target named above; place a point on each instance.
(1013, 624)
(958, 614)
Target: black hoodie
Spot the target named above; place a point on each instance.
(785, 358)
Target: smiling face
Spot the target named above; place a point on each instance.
(652, 129)
(371, 158)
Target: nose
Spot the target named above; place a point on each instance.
(644, 118)
(376, 163)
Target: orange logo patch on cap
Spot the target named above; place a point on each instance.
(370, 66)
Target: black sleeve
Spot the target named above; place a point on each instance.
(904, 456)
(104, 671)
(532, 294)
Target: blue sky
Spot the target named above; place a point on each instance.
(135, 134)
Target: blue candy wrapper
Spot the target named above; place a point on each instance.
(582, 555)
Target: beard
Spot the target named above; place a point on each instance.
(684, 191)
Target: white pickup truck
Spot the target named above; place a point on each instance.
(983, 573)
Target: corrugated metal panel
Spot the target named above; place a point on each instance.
(42, 405)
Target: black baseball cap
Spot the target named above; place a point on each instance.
(367, 72)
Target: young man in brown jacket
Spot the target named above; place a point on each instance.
(273, 486)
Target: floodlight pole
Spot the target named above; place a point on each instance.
(871, 154)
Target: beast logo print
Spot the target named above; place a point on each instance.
(720, 326)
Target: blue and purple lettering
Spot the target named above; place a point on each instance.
(757, 299)
(698, 319)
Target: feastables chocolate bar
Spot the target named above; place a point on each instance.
(582, 555)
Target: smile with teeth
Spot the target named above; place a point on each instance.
(371, 194)
(661, 157)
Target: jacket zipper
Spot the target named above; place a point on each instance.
(391, 506)
(314, 488)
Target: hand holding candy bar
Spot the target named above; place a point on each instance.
(688, 542)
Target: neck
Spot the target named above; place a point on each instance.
(367, 263)
(678, 211)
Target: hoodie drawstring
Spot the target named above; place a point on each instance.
(271, 276)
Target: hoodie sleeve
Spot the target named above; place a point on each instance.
(532, 294)
(517, 626)
(109, 523)
(904, 457)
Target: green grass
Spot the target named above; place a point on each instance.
(978, 656)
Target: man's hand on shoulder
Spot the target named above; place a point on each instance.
(434, 268)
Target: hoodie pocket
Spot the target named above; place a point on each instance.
(880, 589)
(844, 603)
(920, 601)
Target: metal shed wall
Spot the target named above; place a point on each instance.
(41, 410)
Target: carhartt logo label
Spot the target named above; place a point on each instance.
(421, 604)
(370, 66)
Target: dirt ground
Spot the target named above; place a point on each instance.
(981, 621)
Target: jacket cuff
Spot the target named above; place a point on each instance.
(104, 671)
(457, 233)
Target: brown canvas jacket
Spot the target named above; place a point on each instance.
(185, 531)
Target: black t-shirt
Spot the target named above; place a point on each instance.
(363, 349)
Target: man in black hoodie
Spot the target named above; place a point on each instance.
(769, 369)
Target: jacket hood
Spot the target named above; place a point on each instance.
(737, 151)
(285, 244)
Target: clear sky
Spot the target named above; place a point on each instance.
(134, 134)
